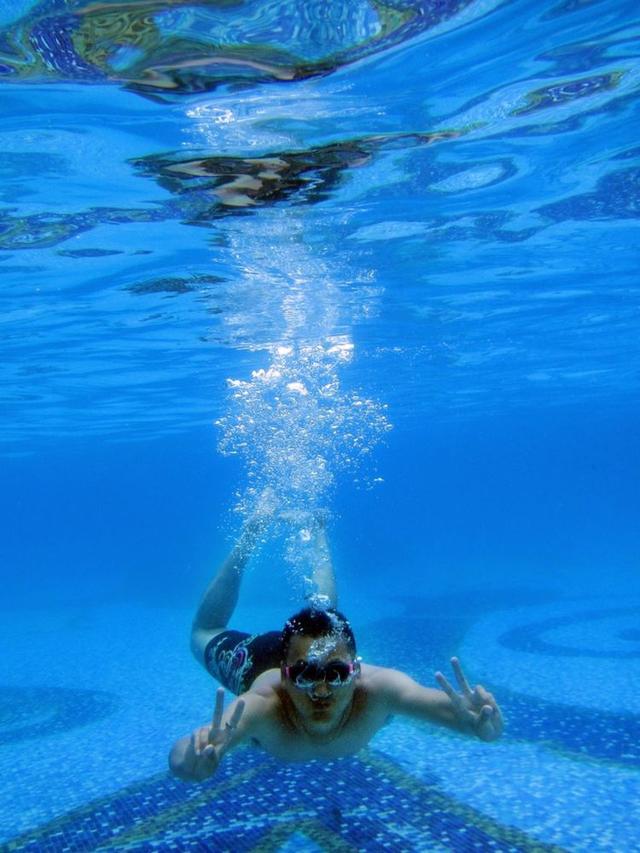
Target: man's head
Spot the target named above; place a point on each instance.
(319, 666)
(312, 622)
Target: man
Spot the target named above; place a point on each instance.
(303, 693)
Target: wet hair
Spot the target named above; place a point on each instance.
(311, 622)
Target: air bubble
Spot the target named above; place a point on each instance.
(296, 427)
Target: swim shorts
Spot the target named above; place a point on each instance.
(236, 659)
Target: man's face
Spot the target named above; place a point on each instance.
(322, 706)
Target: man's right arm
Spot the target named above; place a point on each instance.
(186, 764)
(195, 757)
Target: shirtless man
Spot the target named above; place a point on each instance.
(303, 693)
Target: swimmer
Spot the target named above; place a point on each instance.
(303, 693)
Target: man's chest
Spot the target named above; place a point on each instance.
(296, 744)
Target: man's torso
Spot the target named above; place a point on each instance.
(283, 735)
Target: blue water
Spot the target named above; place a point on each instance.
(382, 258)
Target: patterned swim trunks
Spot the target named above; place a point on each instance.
(236, 659)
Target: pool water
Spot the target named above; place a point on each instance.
(379, 257)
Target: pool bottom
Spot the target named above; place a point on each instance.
(94, 698)
(257, 804)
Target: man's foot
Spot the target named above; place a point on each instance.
(265, 509)
(319, 601)
(295, 516)
(316, 518)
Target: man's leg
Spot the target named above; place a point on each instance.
(323, 577)
(221, 596)
(310, 545)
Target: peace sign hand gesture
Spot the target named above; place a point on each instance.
(209, 743)
(474, 710)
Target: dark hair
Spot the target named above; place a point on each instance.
(311, 622)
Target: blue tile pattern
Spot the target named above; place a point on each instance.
(25, 712)
(529, 637)
(258, 804)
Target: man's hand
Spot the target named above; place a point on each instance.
(209, 743)
(475, 710)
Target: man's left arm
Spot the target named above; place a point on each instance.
(470, 711)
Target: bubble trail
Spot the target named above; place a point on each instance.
(293, 423)
(295, 426)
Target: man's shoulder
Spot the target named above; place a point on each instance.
(261, 703)
(265, 686)
(381, 680)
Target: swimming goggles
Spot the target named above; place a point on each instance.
(306, 674)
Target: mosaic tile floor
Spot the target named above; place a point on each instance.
(257, 804)
(89, 703)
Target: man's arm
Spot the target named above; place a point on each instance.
(196, 757)
(473, 712)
